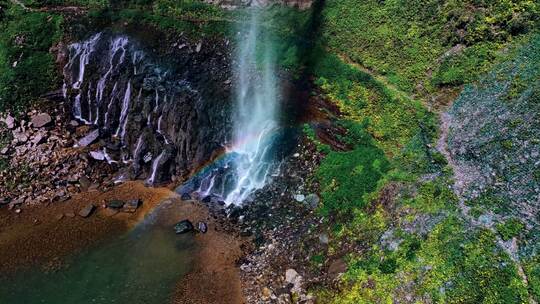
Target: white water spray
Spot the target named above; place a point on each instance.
(255, 120)
(255, 113)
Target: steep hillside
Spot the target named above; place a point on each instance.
(428, 225)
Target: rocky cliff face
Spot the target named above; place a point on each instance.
(160, 117)
(231, 4)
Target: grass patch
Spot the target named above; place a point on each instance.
(27, 69)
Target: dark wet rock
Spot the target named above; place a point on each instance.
(89, 138)
(114, 146)
(115, 204)
(185, 196)
(202, 227)
(148, 111)
(87, 211)
(41, 120)
(131, 205)
(183, 226)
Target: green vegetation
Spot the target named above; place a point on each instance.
(510, 228)
(346, 177)
(447, 266)
(27, 69)
(407, 40)
(417, 246)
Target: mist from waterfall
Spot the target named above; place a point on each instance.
(250, 160)
(255, 114)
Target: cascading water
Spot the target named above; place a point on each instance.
(249, 161)
(150, 115)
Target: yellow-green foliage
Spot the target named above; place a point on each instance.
(450, 265)
(391, 119)
(405, 39)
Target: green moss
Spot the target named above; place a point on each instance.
(509, 229)
(532, 270)
(27, 69)
(346, 177)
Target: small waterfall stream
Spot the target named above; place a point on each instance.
(152, 112)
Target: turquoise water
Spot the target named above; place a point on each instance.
(142, 266)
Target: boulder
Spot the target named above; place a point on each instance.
(115, 204)
(324, 239)
(97, 155)
(202, 227)
(183, 226)
(131, 205)
(87, 211)
(185, 197)
(39, 138)
(41, 120)
(299, 197)
(84, 182)
(4, 151)
(89, 138)
(19, 136)
(291, 275)
(10, 122)
(312, 200)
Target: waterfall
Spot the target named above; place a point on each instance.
(255, 113)
(249, 161)
(114, 85)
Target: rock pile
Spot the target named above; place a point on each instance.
(38, 161)
(287, 233)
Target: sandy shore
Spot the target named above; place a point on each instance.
(44, 235)
(215, 277)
